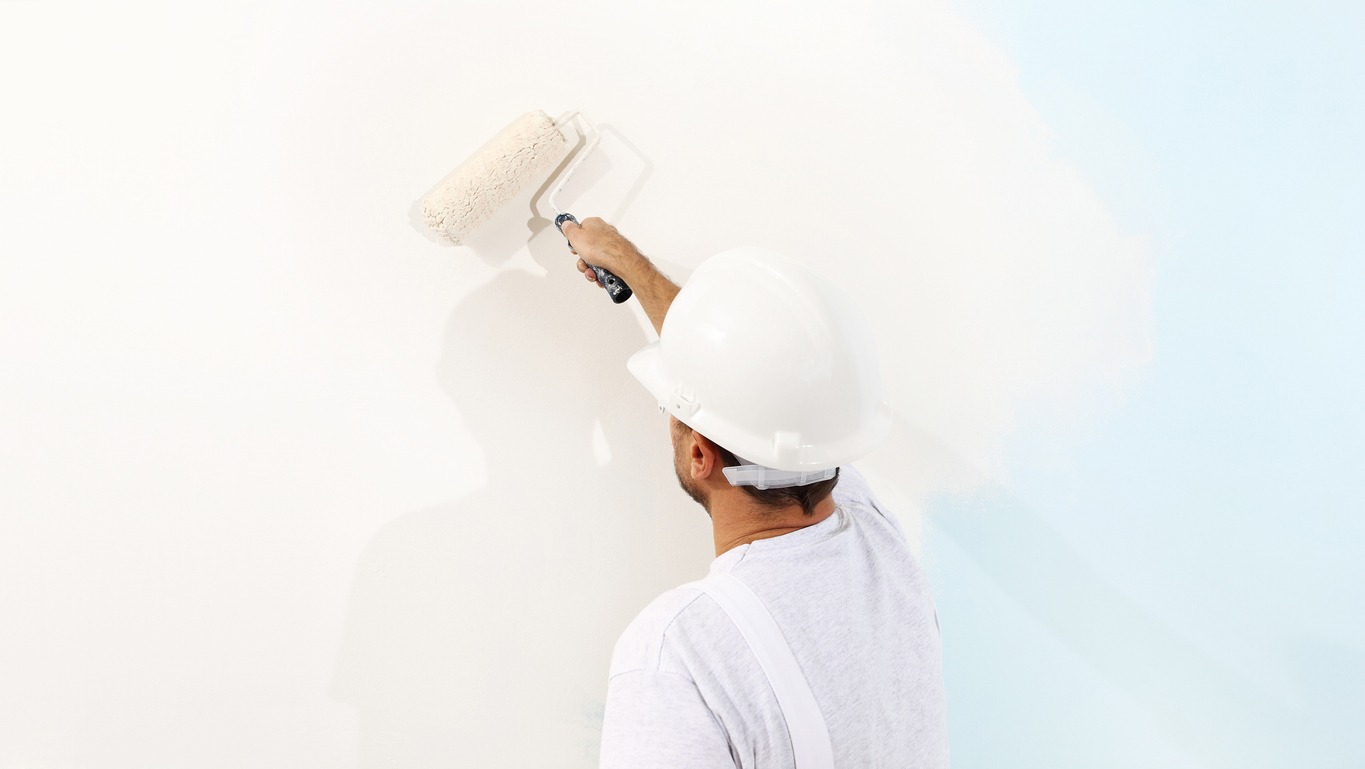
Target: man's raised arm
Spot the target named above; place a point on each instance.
(599, 243)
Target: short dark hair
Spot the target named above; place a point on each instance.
(807, 496)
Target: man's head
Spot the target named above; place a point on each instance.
(697, 461)
(775, 363)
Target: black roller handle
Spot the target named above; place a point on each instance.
(616, 288)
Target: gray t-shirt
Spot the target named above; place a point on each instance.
(854, 605)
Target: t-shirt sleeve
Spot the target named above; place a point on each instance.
(657, 720)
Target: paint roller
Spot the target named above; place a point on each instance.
(500, 171)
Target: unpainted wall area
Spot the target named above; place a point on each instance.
(286, 482)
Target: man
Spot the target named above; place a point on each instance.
(813, 642)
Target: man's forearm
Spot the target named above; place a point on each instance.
(599, 243)
(654, 290)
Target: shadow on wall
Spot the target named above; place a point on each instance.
(502, 608)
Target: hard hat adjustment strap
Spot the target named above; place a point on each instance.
(760, 477)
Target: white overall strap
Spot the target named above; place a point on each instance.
(805, 722)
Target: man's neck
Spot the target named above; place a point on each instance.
(734, 523)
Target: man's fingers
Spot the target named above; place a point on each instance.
(569, 228)
(588, 272)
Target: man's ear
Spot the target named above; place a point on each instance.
(705, 457)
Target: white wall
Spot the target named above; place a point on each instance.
(285, 483)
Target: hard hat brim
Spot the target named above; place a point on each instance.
(647, 365)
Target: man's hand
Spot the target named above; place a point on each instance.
(598, 243)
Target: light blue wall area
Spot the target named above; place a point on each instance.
(1184, 585)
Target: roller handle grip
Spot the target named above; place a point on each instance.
(616, 288)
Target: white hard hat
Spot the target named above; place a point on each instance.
(768, 360)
